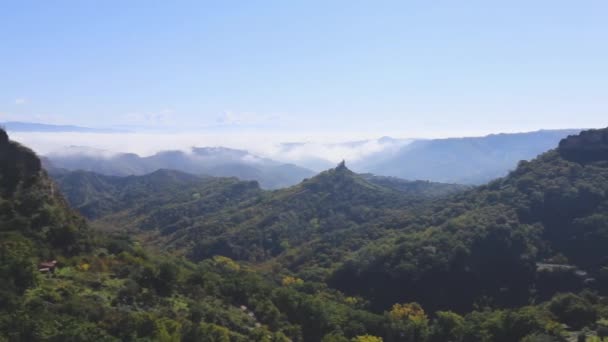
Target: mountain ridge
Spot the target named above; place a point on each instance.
(213, 161)
(468, 160)
(19, 126)
(333, 258)
(337, 192)
(549, 208)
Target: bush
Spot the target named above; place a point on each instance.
(573, 310)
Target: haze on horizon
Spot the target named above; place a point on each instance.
(270, 72)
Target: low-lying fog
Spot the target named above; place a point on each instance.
(303, 150)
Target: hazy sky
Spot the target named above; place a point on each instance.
(401, 68)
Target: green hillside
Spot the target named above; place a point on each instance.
(107, 288)
(540, 230)
(174, 257)
(307, 228)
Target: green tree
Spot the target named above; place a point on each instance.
(334, 337)
(573, 310)
(407, 322)
(214, 333)
(447, 326)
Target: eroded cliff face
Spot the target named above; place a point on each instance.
(587, 147)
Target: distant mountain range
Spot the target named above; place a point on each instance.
(461, 160)
(211, 161)
(17, 126)
(468, 160)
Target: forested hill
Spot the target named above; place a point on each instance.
(203, 217)
(419, 187)
(96, 195)
(62, 281)
(388, 245)
(336, 258)
(34, 218)
(540, 230)
(35, 224)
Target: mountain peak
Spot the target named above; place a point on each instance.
(340, 179)
(586, 147)
(340, 170)
(3, 137)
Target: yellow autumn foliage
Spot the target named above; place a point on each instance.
(226, 262)
(288, 281)
(351, 300)
(411, 312)
(367, 338)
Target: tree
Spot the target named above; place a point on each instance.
(407, 322)
(214, 333)
(573, 310)
(447, 326)
(167, 277)
(334, 337)
(167, 330)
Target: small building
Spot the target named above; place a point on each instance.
(47, 266)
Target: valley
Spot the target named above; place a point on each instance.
(334, 257)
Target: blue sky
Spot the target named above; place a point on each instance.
(401, 68)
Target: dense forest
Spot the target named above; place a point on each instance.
(305, 228)
(170, 256)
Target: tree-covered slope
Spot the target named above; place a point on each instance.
(107, 288)
(422, 188)
(309, 226)
(540, 230)
(96, 195)
(35, 221)
(500, 250)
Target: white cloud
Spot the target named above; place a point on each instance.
(310, 153)
(20, 101)
(263, 144)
